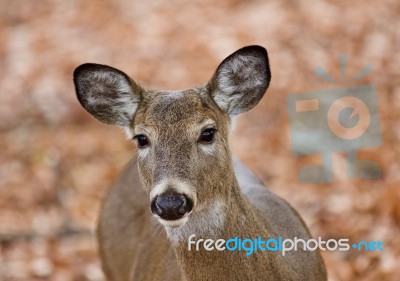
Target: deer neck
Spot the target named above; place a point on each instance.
(232, 217)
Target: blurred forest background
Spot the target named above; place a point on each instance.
(57, 162)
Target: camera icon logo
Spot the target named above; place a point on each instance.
(335, 120)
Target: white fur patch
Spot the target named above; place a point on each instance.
(207, 148)
(177, 185)
(142, 152)
(207, 123)
(173, 223)
(206, 222)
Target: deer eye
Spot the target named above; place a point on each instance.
(207, 136)
(142, 140)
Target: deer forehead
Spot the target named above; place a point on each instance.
(176, 109)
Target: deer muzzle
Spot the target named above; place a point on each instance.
(171, 205)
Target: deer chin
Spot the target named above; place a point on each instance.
(174, 223)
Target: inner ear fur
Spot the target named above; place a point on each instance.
(107, 93)
(241, 80)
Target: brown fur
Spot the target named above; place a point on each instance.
(228, 199)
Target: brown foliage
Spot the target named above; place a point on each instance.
(56, 162)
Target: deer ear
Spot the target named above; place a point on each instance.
(106, 93)
(241, 80)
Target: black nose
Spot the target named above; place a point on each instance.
(171, 205)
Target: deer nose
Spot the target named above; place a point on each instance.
(171, 205)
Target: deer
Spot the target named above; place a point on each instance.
(185, 181)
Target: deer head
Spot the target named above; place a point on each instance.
(182, 136)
